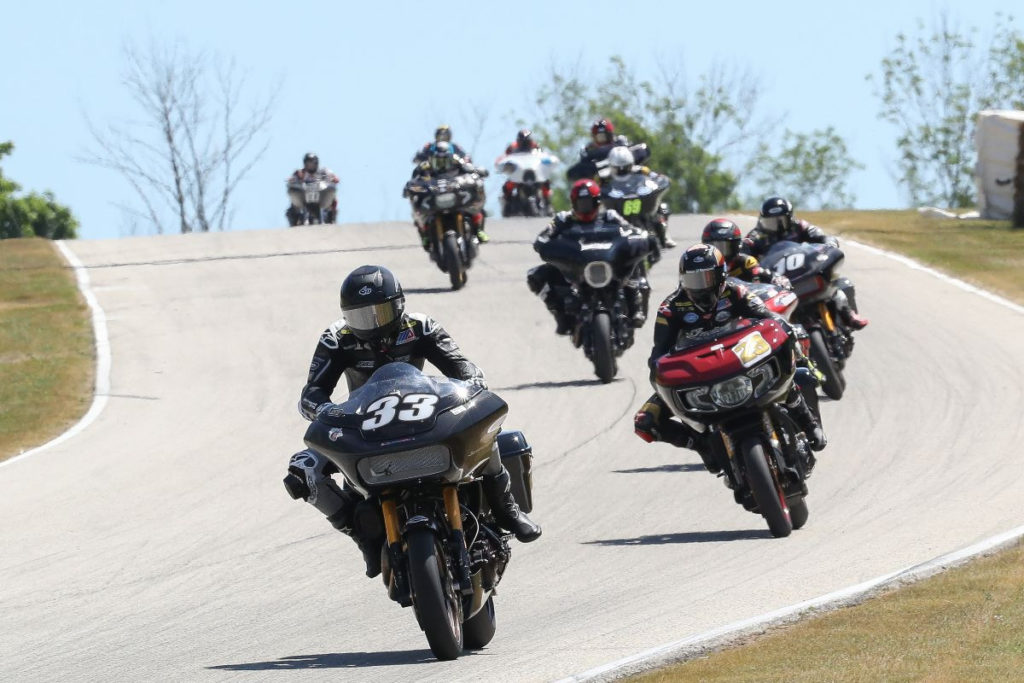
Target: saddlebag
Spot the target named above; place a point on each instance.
(517, 457)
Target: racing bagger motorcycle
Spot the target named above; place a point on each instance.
(732, 381)
(414, 446)
(813, 270)
(312, 201)
(598, 263)
(637, 198)
(446, 207)
(527, 173)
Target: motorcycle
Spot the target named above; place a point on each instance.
(528, 173)
(599, 263)
(312, 201)
(732, 381)
(637, 198)
(813, 270)
(414, 446)
(587, 167)
(445, 207)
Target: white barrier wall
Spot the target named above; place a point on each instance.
(998, 139)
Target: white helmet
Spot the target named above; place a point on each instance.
(621, 159)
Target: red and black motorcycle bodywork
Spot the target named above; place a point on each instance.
(732, 381)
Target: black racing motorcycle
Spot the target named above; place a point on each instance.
(637, 198)
(813, 269)
(414, 446)
(599, 262)
(446, 206)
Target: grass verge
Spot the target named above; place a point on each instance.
(964, 625)
(47, 359)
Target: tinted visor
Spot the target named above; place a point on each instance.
(771, 223)
(585, 204)
(727, 247)
(699, 280)
(374, 316)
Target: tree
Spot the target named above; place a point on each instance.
(811, 169)
(33, 214)
(195, 143)
(931, 86)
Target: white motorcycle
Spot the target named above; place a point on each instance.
(527, 174)
(312, 200)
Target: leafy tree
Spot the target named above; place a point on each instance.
(34, 214)
(810, 169)
(931, 86)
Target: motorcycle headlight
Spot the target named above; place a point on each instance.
(598, 274)
(732, 392)
(697, 399)
(405, 465)
(445, 201)
(762, 377)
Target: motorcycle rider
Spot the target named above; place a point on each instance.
(724, 235)
(603, 141)
(775, 224)
(621, 163)
(443, 133)
(547, 280)
(706, 298)
(443, 162)
(311, 171)
(376, 330)
(524, 142)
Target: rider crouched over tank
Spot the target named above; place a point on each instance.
(548, 282)
(443, 162)
(375, 330)
(705, 299)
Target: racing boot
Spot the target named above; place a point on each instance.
(563, 321)
(853, 320)
(666, 240)
(478, 227)
(804, 418)
(498, 490)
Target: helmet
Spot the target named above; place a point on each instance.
(443, 132)
(372, 302)
(525, 141)
(776, 212)
(311, 159)
(584, 197)
(441, 157)
(702, 275)
(621, 159)
(602, 131)
(723, 235)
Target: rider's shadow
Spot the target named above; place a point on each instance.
(334, 660)
(684, 537)
(672, 467)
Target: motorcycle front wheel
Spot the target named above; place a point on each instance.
(453, 261)
(437, 604)
(834, 384)
(601, 340)
(771, 501)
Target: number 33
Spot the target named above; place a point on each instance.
(382, 411)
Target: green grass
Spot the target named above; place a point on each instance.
(46, 346)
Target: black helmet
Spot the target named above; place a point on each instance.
(723, 235)
(776, 213)
(311, 157)
(702, 275)
(441, 156)
(443, 132)
(373, 302)
(525, 141)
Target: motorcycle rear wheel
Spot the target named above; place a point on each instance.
(834, 383)
(771, 501)
(437, 604)
(478, 630)
(453, 261)
(601, 340)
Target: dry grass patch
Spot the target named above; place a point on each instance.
(47, 360)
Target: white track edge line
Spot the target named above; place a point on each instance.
(679, 649)
(101, 340)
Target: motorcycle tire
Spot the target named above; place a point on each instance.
(771, 501)
(601, 340)
(798, 512)
(437, 604)
(478, 630)
(313, 211)
(453, 261)
(834, 384)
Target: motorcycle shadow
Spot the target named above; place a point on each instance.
(685, 537)
(557, 385)
(428, 290)
(335, 660)
(676, 467)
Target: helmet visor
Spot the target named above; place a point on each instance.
(585, 204)
(699, 280)
(772, 223)
(373, 316)
(727, 247)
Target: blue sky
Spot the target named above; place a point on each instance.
(365, 84)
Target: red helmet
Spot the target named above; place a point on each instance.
(602, 131)
(584, 197)
(723, 235)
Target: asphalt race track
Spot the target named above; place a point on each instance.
(159, 544)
